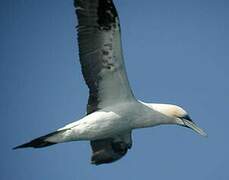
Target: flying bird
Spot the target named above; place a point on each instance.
(113, 112)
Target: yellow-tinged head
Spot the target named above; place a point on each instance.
(179, 116)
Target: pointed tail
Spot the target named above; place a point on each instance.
(40, 142)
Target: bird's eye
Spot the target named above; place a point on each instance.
(187, 117)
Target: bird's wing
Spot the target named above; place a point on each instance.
(100, 53)
(110, 149)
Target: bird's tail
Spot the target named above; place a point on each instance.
(42, 141)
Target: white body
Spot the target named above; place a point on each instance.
(112, 121)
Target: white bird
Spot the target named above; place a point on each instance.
(112, 110)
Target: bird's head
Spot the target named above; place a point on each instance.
(179, 116)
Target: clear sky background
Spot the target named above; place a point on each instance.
(175, 52)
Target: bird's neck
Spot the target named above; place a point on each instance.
(152, 115)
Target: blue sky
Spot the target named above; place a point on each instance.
(175, 52)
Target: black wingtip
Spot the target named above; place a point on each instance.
(26, 145)
(34, 144)
(38, 142)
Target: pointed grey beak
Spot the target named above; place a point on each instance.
(193, 126)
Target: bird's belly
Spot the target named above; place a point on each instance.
(99, 125)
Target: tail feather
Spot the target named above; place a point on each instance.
(39, 142)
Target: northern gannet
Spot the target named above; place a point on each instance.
(112, 110)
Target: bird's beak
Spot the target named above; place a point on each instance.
(193, 126)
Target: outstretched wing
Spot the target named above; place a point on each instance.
(100, 53)
(103, 69)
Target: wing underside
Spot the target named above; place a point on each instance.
(103, 69)
(100, 53)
